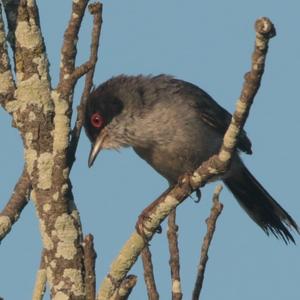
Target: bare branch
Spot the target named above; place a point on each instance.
(69, 48)
(26, 40)
(211, 226)
(69, 74)
(209, 170)
(43, 118)
(89, 265)
(126, 287)
(41, 280)
(7, 87)
(19, 198)
(96, 10)
(174, 256)
(148, 274)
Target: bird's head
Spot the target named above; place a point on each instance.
(101, 111)
(113, 114)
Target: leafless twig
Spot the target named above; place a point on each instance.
(148, 274)
(69, 74)
(211, 226)
(96, 10)
(19, 198)
(174, 256)
(69, 48)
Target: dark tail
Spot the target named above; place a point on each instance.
(260, 205)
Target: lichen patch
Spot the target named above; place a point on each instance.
(55, 196)
(45, 167)
(76, 277)
(60, 296)
(176, 287)
(61, 123)
(6, 82)
(66, 173)
(48, 244)
(66, 232)
(31, 116)
(27, 35)
(46, 207)
(5, 224)
(28, 139)
(33, 91)
(30, 157)
(42, 66)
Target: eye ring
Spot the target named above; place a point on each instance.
(97, 120)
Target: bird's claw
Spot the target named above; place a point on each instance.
(198, 195)
(140, 226)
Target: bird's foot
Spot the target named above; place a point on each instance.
(185, 180)
(141, 226)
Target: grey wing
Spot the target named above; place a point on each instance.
(214, 115)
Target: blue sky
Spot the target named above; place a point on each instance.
(208, 43)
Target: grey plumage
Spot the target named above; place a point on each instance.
(175, 126)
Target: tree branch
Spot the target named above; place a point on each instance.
(174, 256)
(209, 170)
(211, 226)
(69, 48)
(126, 287)
(43, 118)
(89, 265)
(7, 87)
(69, 74)
(148, 274)
(96, 10)
(41, 280)
(18, 200)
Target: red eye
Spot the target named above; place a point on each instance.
(97, 120)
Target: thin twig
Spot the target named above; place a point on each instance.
(18, 200)
(126, 287)
(41, 280)
(148, 274)
(210, 169)
(216, 210)
(96, 10)
(89, 265)
(69, 48)
(174, 256)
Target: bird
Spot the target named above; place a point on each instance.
(175, 126)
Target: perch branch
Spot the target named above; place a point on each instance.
(211, 226)
(89, 265)
(174, 256)
(148, 274)
(19, 198)
(96, 10)
(209, 170)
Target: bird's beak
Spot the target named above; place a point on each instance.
(96, 147)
